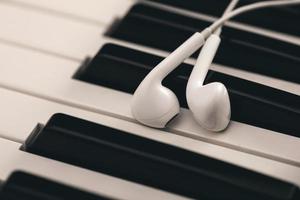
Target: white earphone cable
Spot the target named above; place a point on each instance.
(229, 9)
(244, 9)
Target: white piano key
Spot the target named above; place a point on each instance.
(26, 111)
(48, 77)
(90, 11)
(13, 159)
(94, 11)
(48, 33)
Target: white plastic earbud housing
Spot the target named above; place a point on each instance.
(153, 104)
(210, 104)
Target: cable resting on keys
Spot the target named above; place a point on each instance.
(155, 105)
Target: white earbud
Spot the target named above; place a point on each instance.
(209, 103)
(153, 104)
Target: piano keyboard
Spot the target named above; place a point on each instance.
(85, 58)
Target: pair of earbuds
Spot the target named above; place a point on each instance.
(155, 105)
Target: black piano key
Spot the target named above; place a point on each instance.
(148, 162)
(281, 19)
(211, 7)
(239, 49)
(24, 186)
(123, 69)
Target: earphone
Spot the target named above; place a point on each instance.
(210, 104)
(155, 105)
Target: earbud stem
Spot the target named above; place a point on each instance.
(205, 60)
(177, 57)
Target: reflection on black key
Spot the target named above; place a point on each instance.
(24, 186)
(240, 49)
(124, 155)
(123, 69)
(282, 19)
